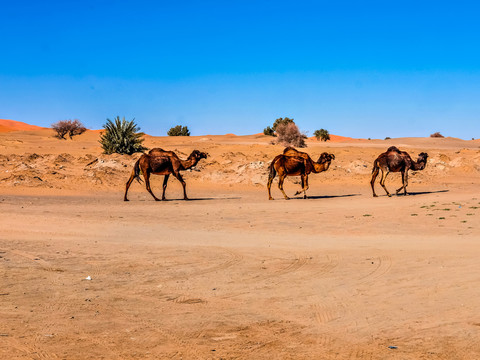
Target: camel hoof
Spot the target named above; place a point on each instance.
(375, 195)
(126, 199)
(389, 195)
(270, 198)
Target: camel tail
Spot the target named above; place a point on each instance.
(272, 171)
(136, 171)
(375, 166)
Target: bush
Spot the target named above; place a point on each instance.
(178, 130)
(282, 121)
(289, 135)
(388, 138)
(268, 131)
(436, 135)
(122, 137)
(68, 127)
(322, 134)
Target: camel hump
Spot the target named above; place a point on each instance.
(393, 148)
(289, 148)
(156, 150)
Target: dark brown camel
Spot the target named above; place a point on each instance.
(394, 160)
(296, 163)
(161, 162)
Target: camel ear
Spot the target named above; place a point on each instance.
(332, 156)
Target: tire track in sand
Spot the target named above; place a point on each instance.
(384, 264)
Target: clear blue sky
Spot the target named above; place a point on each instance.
(356, 68)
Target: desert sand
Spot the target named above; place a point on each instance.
(229, 274)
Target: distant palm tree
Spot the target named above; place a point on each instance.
(122, 137)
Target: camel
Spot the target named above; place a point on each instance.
(394, 160)
(296, 163)
(161, 162)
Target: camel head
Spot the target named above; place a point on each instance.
(323, 162)
(325, 157)
(422, 159)
(198, 155)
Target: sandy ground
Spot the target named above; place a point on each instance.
(229, 274)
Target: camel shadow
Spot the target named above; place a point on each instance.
(327, 196)
(204, 199)
(415, 193)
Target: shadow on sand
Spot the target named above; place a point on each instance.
(327, 196)
(414, 193)
(205, 199)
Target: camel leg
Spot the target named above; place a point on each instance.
(129, 182)
(180, 178)
(269, 185)
(382, 181)
(405, 184)
(303, 186)
(306, 187)
(280, 185)
(146, 176)
(165, 181)
(374, 177)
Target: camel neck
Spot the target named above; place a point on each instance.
(418, 165)
(190, 162)
(320, 167)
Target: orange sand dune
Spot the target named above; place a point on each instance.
(12, 125)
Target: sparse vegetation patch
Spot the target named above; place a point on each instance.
(322, 134)
(178, 130)
(122, 137)
(68, 127)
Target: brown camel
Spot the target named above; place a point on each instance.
(161, 162)
(296, 163)
(394, 160)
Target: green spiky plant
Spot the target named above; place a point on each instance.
(122, 137)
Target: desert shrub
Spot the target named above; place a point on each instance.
(268, 131)
(122, 137)
(178, 130)
(282, 121)
(68, 127)
(322, 134)
(289, 135)
(437, 135)
(388, 138)
(271, 131)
